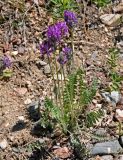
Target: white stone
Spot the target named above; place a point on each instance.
(99, 105)
(15, 53)
(21, 118)
(41, 63)
(27, 101)
(3, 144)
(119, 113)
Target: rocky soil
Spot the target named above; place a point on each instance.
(22, 95)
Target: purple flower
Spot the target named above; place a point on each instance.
(46, 48)
(64, 55)
(70, 18)
(6, 61)
(57, 31)
(67, 51)
(62, 59)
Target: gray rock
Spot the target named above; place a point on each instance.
(111, 19)
(110, 147)
(41, 63)
(34, 110)
(47, 69)
(116, 96)
(106, 157)
(3, 144)
(113, 98)
(107, 96)
(94, 55)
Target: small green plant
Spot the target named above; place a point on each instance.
(72, 94)
(76, 96)
(113, 57)
(7, 73)
(57, 7)
(116, 79)
(101, 3)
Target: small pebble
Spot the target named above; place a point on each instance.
(3, 144)
(27, 101)
(15, 53)
(21, 118)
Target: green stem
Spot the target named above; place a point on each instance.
(53, 78)
(72, 46)
(59, 93)
(62, 79)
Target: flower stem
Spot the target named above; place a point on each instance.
(72, 46)
(53, 79)
(62, 79)
(59, 93)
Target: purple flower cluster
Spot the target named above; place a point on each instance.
(70, 18)
(57, 31)
(46, 47)
(6, 61)
(54, 34)
(64, 56)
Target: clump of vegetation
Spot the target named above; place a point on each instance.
(101, 3)
(72, 94)
(57, 7)
(115, 77)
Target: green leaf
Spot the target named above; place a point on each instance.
(92, 117)
(7, 73)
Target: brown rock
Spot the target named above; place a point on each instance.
(118, 8)
(21, 91)
(111, 19)
(62, 152)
